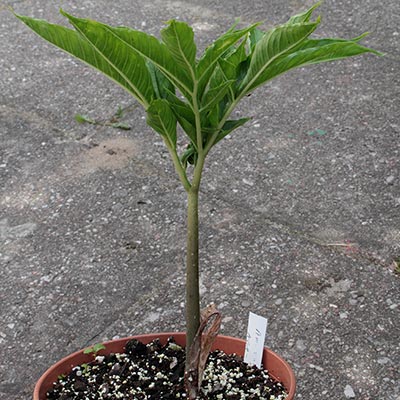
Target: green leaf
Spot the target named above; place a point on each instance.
(121, 57)
(314, 51)
(304, 16)
(209, 60)
(98, 346)
(255, 36)
(214, 104)
(119, 113)
(185, 116)
(151, 49)
(275, 43)
(220, 92)
(230, 69)
(93, 349)
(229, 65)
(125, 68)
(213, 119)
(234, 25)
(189, 156)
(89, 350)
(82, 119)
(161, 118)
(327, 45)
(230, 126)
(219, 47)
(161, 85)
(179, 39)
(215, 95)
(188, 127)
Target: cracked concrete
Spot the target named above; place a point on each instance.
(300, 208)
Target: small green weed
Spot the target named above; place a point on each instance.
(114, 121)
(85, 368)
(94, 349)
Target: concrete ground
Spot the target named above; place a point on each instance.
(300, 208)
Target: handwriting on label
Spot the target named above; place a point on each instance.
(256, 331)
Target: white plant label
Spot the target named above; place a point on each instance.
(256, 331)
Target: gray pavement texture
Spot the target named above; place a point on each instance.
(300, 208)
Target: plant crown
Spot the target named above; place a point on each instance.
(175, 87)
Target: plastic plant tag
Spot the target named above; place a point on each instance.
(256, 331)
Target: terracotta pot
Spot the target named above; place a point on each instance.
(277, 367)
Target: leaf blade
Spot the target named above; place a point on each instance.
(74, 44)
(209, 60)
(214, 95)
(179, 39)
(304, 16)
(162, 86)
(161, 118)
(229, 127)
(151, 49)
(315, 51)
(272, 45)
(130, 64)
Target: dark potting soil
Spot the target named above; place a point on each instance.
(155, 372)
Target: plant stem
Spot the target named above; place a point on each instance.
(177, 164)
(192, 258)
(192, 268)
(192, 247)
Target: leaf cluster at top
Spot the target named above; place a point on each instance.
(175, 87)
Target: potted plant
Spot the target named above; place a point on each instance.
(198, 94)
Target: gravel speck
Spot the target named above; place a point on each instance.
(316, 367)
(390, 180)
(300, 345)
(349, 392)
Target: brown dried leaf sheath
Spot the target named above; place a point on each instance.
(210, 323)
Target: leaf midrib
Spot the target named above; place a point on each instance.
(144, 102)
(192, 73)
(165, 71)
(246, 88)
